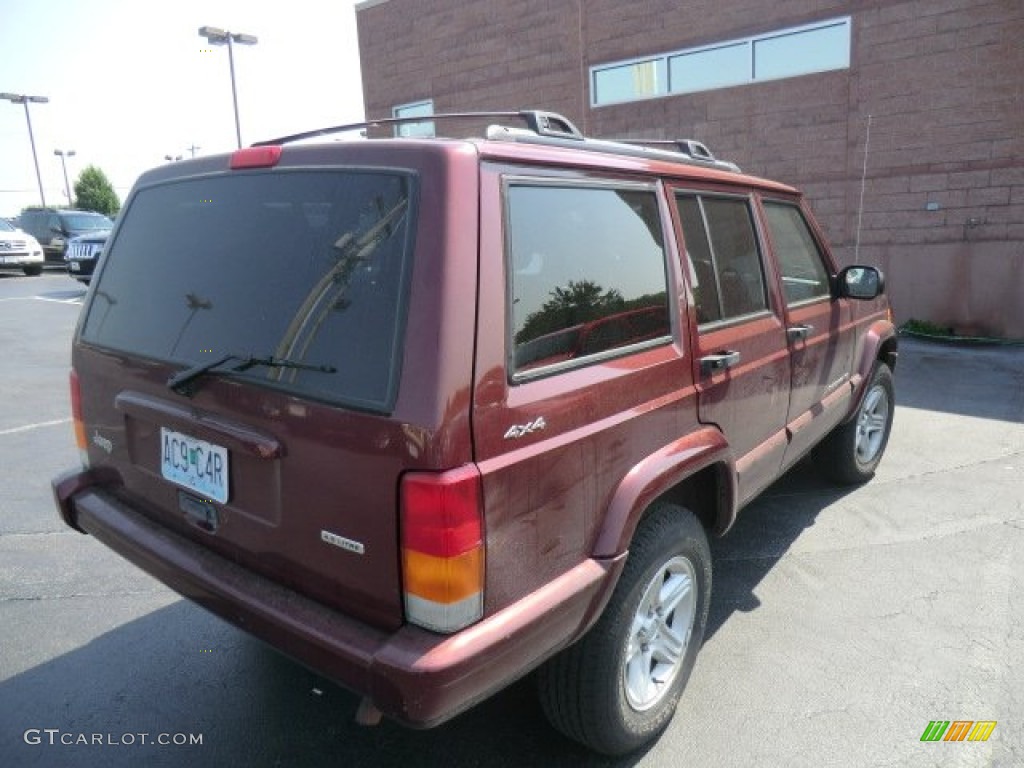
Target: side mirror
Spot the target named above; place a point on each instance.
(860, 283)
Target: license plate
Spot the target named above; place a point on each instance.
(194, 464)
(75, 266)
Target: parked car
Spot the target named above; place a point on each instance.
(83, 253)
(19, 250)
(53, 227)
(428, 414)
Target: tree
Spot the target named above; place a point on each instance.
(94, 192)
(579, 302)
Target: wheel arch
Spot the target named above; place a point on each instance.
(879, 346)
(696, 472)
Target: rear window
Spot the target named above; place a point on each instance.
(304, 265)
(85, 221)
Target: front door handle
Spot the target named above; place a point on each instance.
(799, 332)
(719, 362)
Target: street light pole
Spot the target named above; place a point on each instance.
(64, 165)
(20, 98)
(217, 36)
(234, 91)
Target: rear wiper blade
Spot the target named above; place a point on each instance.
(180, 381)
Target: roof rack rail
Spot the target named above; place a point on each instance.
(549, 128)
(687, 151)
(691, 147)
(539, 122)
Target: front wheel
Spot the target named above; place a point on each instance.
(617, 688)
(851, 453)
(32, 270)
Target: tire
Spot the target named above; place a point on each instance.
(33, 270)
(616, 689)
(851, 453)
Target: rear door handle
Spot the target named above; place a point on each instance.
(799, 332)
(719, 362)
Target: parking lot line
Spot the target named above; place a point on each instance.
(58, 301)
(37, 425)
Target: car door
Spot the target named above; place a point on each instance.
(742, 361)
(818, 329)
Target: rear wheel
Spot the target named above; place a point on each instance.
(852, 452)
(33, 269)
(617, 688)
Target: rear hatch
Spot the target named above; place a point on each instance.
(284, 456)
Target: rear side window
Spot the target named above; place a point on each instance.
(725, 262)
(307, 266)
(804, 277)
(587, 273)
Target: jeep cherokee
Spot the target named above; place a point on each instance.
(428, 414)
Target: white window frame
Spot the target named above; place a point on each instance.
(663, 62)
(409, 130)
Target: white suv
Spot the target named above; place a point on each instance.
(19, 250)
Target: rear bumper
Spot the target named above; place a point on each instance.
(411, 675)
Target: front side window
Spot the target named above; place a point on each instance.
(302, 265)
(587, 273)
(725, 262)
(803, 274)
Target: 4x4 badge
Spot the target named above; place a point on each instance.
(522, 430)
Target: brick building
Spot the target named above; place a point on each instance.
(786, 90)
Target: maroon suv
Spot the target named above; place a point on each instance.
(428, 414)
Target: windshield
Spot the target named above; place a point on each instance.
(80, 222)
(303, 266)
(6, 226)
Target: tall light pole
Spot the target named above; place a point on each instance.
(216, 36)
(67, 187)
(20, 98)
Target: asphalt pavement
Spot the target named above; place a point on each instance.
(843, 621)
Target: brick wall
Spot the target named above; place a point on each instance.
(941, 80)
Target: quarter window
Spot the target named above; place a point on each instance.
(587, 276)
(724, 260)
(803, 274)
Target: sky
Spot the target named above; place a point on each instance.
(130, 81)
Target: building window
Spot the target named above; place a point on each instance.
(804, 50)
(703, 70)
(415, 109)
(800, 53)
(639, 80)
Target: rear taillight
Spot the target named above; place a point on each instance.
(443, 548)
(76, 418)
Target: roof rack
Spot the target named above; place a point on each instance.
(546, 128)
(540, 123)
(688, 152)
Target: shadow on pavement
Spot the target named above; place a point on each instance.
(252, 706)
(763, 533)
(965, 380)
